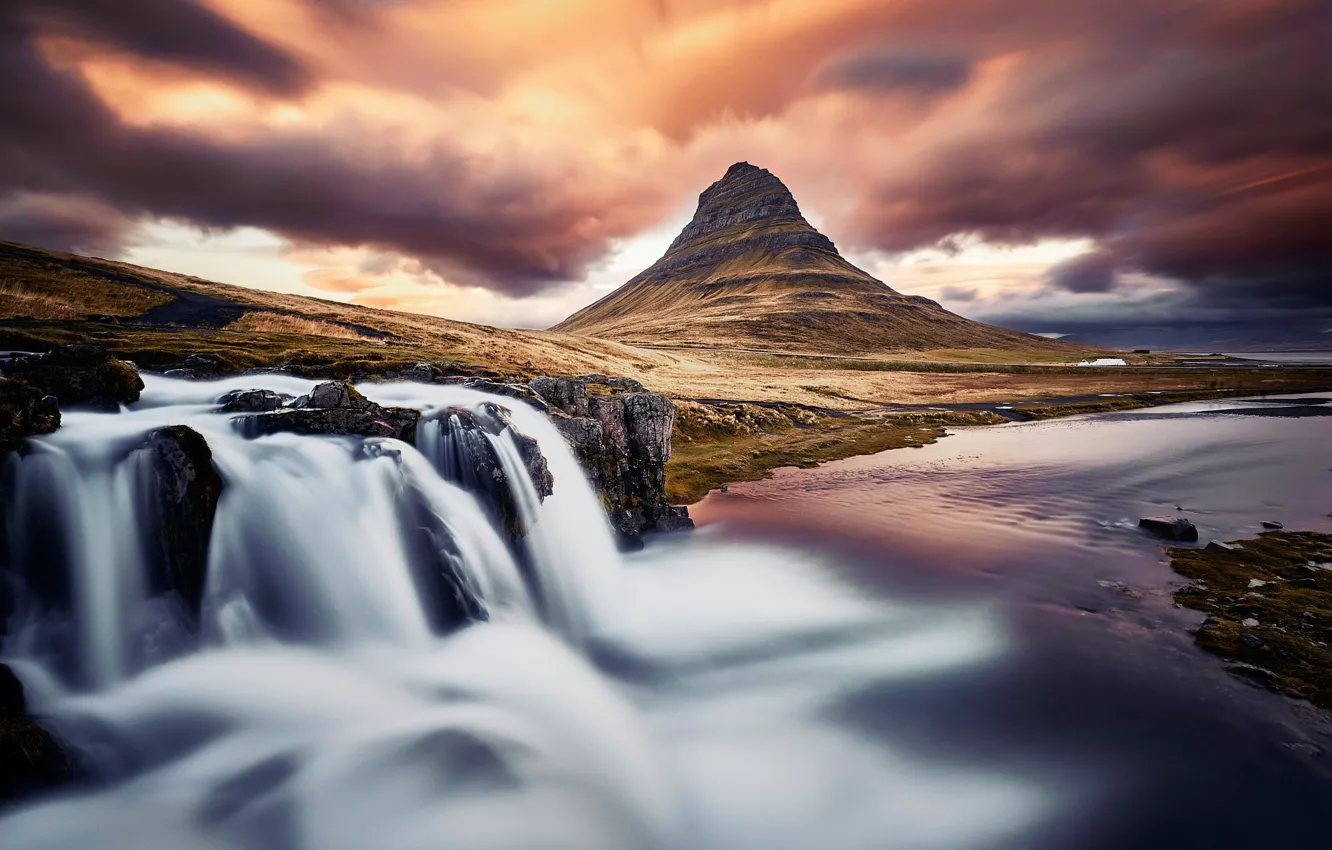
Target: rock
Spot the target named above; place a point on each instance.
(568, 395)
(625, 384)
(1249, 623)
(1304, 582)
(185, 488)
(197, 366)
(421, 373)
(250, 401)
(335, 407)
(25, 411)
(79, 376)
(466, 456)
(1250, 640)
(1275, 526)
(623, 440)
(1216, 547)
(521, 392)
(334, 395)
(31, 760)
(1256, 582)
(1170, 528)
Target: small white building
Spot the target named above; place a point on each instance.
(1104, 361)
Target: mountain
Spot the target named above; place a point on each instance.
(749, 272)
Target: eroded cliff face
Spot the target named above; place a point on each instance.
(621, 435)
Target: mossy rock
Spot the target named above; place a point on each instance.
(81, 376)
(25, 411)
(1269, 607)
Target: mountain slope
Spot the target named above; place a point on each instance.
(749, 272)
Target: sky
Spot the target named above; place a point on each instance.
(1060, 166)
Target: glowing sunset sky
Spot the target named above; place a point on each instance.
(1055, 165)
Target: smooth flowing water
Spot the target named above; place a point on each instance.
(695, 695)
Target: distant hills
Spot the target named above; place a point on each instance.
(750, 272)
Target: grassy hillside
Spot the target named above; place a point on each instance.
(743, 411)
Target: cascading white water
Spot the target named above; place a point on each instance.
(679, 701)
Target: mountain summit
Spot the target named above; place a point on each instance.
(749, 272)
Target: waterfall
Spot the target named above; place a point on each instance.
(377, 661)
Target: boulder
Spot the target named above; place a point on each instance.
(31, 760)
(1170, 528)
(1216, 547)
(335, 407)
(1274, 526)
(25, 411)
(79, 376)
(197, 366)
(467, 457)
(522, 392)
(622, 438)
(250, 401)
(184, 490)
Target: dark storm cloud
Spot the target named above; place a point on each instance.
(890, 71)
(517, 232)
(77, 224)
(181, 32)
(1093, 272)
(1189, 139)
(1194, 143)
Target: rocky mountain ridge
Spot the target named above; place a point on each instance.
(750, 272)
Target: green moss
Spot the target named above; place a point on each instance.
(1287, 650)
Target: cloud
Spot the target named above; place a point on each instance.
(509, 146)
(1093, 272)
(502, 218)
(73, 223)
(891, 71)
(180, 32)
(959, 293)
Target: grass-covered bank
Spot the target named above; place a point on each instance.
(726, 443)
(716, 444)
(1269, 609)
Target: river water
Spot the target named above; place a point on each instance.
(964, 645)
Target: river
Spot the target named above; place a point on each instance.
(963, 645)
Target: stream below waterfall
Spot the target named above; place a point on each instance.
(920, 649)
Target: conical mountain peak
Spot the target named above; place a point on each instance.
(749, 272)
(746, 201)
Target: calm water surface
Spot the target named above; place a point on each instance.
(1099, 691)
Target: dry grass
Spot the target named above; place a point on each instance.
(52, 295)
(279, 323)
(17, 302)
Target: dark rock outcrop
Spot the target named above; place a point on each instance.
(250, 401)
(184, 490)
(197, 366)
(1170, 528)
(25, 411)
(79, 376)
(469, 459)
(31, 760)
(336, 407)
(622, 438)
(522, 392)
